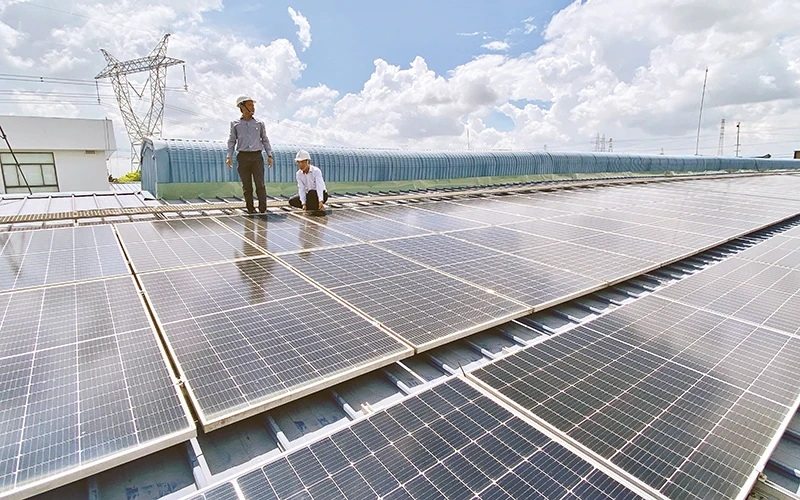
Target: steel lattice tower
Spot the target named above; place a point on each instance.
(150, 124)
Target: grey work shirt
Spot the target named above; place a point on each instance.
(251, 135)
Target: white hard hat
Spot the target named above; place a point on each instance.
(241, 99)
(302, 155)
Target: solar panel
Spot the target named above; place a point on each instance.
(592, 262)
(428, 308)
(502, 239)
(85, 385)
(554, 230)
(422, 219)
(778, 251)
(448, 442)
(439, 250)
(278, 233)
(152, 246)
(191, 292)
(636, 247)
(675, 237)
(534, 284)
(250, 335)
(758, 293)
(224, 491)
(522, 206)
(470, 213)
(366, 227)
(53, 256)
(348, 265)
(664, 391)
(594, 221)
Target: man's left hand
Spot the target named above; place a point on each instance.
(321, 206)
(269, 161)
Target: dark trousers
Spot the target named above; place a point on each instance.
(312, 200)
(251, 168)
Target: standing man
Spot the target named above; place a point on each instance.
(311, 194)
(250, 135)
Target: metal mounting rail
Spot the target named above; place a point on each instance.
(203, 207)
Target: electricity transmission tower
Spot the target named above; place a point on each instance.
(721, 138)
(151, 121)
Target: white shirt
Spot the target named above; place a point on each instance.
(312, 181)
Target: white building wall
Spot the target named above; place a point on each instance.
(81, 147)
(78, 171)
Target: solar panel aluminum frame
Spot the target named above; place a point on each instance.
(638, 486)
(307, 389)
(210, 424)
(81, 472)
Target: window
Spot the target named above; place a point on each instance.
(39, 170)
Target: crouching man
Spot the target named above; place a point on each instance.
(311, 193)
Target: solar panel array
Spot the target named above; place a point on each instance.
(248, 330)
(84, 384)
(686, 389)
(152, 246)
(447, 442)
(53, 256)
(279, 233)
(247, 334)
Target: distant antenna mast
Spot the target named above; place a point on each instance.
(721, 148)
(603, 144)
(467, 138)
(610, 145)
(151, 123)
(737, 138)
(700, 120)
(597, 143)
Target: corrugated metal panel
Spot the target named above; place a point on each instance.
(204, 161)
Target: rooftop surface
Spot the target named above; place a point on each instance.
(124, 340)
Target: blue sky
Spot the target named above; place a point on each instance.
(615, 68)
(348, 36)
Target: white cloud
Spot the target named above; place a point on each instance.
(304, 28)
(496, 45)
(474, 33)
(639, 83)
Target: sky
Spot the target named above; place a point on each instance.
(503, 75)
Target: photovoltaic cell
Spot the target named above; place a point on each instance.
(249, 334)
(750, 291)
(152, 246)
(423, 219)
(336, 267)
(591, 262)
(663, 391)
(554, 230)
(635, 247)
(286, 233)
(428, 308)
(366, 227)
(502, 239)
(448, 442)
(186, 293)
(529, 282)
(439, 250)
(54, 256)
(84, 382)
(471, 213)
